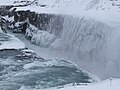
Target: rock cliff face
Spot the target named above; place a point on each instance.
(41, 21)
(46, 22)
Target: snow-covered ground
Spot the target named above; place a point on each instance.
(6, 2)
(103, 85)
(105, 11)
(14, 2)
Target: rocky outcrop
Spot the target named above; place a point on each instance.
(41, 21)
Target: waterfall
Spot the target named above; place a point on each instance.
(83, 36)
(90, 43)
(56, 25)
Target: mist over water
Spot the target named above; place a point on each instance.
(86, 41)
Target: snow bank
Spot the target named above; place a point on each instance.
(103, 85)
(39, 37)
(6, 2)
(11, 43)
(15, 2)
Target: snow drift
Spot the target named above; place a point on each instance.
(99, 86)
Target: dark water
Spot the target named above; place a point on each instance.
(27, 69)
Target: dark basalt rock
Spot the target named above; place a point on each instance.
(41, 21)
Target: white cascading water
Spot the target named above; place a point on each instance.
(91, 44)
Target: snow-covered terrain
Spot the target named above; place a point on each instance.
(15, 2)
(104, 85)
(6, 2)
